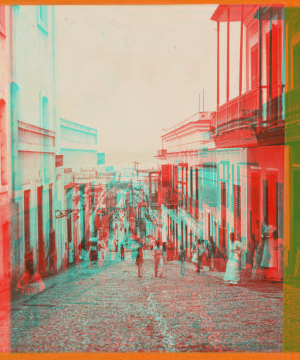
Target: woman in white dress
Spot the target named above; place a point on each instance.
(232, 275)
(273, 272)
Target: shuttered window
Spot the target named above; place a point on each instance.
(165, 175)
(266, 200)
(279, 209)
(27, 219)
(237, 210)
(50, 207)
(223, 193)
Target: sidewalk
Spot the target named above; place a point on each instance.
(263, 286)
(17, 299)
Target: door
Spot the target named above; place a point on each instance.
(255, 206)
(41, 245)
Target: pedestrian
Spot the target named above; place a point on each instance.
(211, 253)
(139, 261)
(164, 249)
(101, 252)
(116, 248)
(182, 259)
(204, 255)
(158, 260)
(256, 272)
(273, 273)
(252, 248)
(93, 253)
(197, 255)
(232, 274)
(31, 283)
(122, 252)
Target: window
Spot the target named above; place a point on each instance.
(279, 209)
(3, 145)
(50, 206)
(266, 201)
(2, 20)
(254, 67)
(223, 193)
(42, 18)
(45, 112)
(27, 220)
(237, 210)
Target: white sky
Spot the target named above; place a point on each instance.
(130, 71)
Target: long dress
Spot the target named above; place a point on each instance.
(232, 274)
(160, 263)
(273, 272)
(256, 272)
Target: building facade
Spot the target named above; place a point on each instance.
(232, 181)
(33, 123)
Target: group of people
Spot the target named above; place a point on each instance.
(160, 256)
(264, 261)
(203, 254)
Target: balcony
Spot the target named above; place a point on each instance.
(169, 198)
(243, 108)
(209, 195)
(161, 154)
(292, 108)
(154, 199)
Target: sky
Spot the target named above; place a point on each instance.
(132, 71)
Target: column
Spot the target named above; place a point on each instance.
(270, 67)
(241, 52)
(218, 64)
(228, 33)
(260, 65)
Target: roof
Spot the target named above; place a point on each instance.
(235, 12)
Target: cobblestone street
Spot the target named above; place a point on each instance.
(112, 310)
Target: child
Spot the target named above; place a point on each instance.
(139, 261)
(30, 283)
(182, 259)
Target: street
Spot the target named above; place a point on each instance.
(111, 310)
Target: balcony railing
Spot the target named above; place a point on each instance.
(169, 198)
(244, 107)
(292, 105)
(161, 153)
(209, 195)
(244, 110)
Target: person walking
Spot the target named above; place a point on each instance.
(197, 256)
(232, 274)
(182, 259)
(204, 255)
(158, 260)
(122, 252)
(117, 246)
(258, 253)
(252, 248)
(31, 283)
(101, 252)
(273, 273)
(211, 253)
(139, 261)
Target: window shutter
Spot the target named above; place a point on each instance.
(266, 200)
(237, 210)
(279, 209)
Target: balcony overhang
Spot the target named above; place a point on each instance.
(235, 12)
(265, 13)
